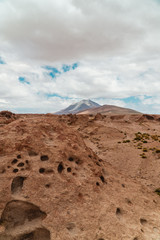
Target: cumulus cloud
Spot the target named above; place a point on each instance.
(73, 29)
(115, 43)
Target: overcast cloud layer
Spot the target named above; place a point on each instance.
(53, 53)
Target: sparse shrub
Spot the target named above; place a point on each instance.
(126, 141)
(141, 137)
(157, 150)
(146, 135)
(143, 155)
(154, 137)
(145, 150)
(139, 144)
(137, 138)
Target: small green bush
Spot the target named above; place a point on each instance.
(155, 137)
(143, 155)
(126, 141)
(145, 150)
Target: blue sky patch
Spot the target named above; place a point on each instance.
(50, 95)
(1, 61)
(23, 80)
(131, 99)
(136, 100)
(74, 66)
(67, 68)
(52, 71)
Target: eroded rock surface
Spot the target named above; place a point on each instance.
(79, 177)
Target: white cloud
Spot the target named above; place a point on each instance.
(71, 29)
(115, 42)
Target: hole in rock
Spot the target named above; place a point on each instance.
(70, 159)
(17, 184)
(19, 156)
(69, 169)
(97, 183)
(27, 236)
(38, 234)
(60, 167)
(143, 221)
(78, 161)
(15, 170)
(21, 164)
(128, 201)
(80, 195)
(118, 211)
(102, 178)
(148, 117)
(17, 212)
(32, 153)
(14, 161)
(70, 226)
(27, 161)
(41, 170)
(44, 158)
(48, 185)
(8, 166)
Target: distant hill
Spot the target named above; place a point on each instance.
(79, 107)
(109, 109)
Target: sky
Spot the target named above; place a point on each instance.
(55, 53)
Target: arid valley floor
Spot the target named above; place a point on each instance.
(79, 177)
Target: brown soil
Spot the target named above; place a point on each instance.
(79, 177)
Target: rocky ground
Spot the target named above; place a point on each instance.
(79, 177)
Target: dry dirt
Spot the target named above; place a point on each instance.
(81, 177)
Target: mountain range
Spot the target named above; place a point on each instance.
(90, 107)
(78, 107)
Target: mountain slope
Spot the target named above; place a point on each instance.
(109, 109)
(78, 107)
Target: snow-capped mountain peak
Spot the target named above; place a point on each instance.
(79, 106)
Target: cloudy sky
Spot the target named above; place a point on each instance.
(57, 52)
